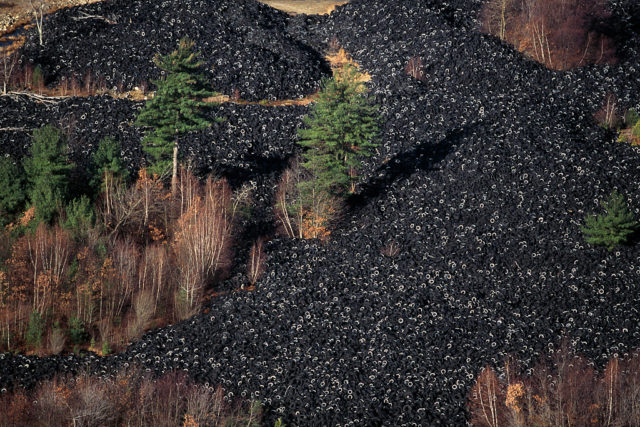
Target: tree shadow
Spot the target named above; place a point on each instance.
(426, 156)
(260, 167)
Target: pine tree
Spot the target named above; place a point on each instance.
(47, 169)
(176, 108)
(339, 131)
(612, 228)
(12, 193)
(107, 164)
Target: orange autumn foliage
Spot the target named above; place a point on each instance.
(566, 390)
(152, 264)
(314, 226)
(189, 421)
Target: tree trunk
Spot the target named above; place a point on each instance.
(174, 175)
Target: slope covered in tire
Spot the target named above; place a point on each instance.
(244, 45)
(483, 178)
(250, 139)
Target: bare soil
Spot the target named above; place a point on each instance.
(309, 7)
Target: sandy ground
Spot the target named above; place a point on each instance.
(309, 7)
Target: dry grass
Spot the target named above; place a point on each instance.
(308, 7)
(340, 58)
(223, 99)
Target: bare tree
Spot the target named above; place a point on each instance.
(287, 186)
(49, 256)
(255, 264)
(155, 273)
(202, 239)
(495, 16)
(143, 306)
(37, 8)
(560, 34)
(299, 217)
(607, 116)
(415, 68)
(9, 62)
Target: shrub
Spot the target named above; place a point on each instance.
(391, 250)
(255, 264)
(415, 68)
(612, 228)
(608, 116)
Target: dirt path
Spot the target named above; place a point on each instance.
(309, 7)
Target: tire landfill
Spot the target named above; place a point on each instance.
(484, 175)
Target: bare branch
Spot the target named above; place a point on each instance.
(41, 98)
(10, 129)
(85, 15)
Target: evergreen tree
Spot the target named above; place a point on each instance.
(79, 217)
(614, 226)
(175, 109)
(12, 193)
(33, 335)
(47, 169)
(106, 161)
(340, 129)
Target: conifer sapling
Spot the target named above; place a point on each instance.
(612, 228)
(339, 131)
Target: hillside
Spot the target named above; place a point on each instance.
(484, 174)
